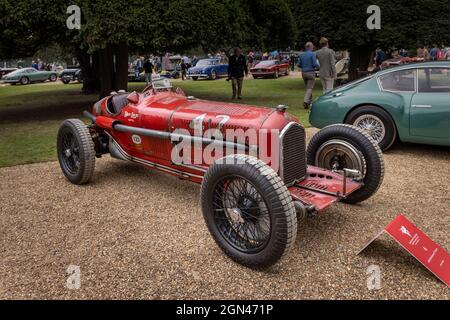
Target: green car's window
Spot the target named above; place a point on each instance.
(398, 81)
(434, 80)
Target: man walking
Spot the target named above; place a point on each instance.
(148, 68)
(308, 63)
(327, 62)
(237, 68)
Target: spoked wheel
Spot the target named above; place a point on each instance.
(376, 122)
(248, 211)
(241, 214)
(76, 152)
(213, 75)
(341, 146)
(53, 78)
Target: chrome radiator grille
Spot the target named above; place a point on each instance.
(293, 153)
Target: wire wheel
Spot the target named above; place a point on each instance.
(70, 153)
(373, 125)
(241, 214)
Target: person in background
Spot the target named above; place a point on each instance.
(148, 68)
(183, 66)
(327, 62)
(434, 53)
(307, 62)
(40, 65)
(237, 68)
(34, 65)
(194, 60)
(380, 57)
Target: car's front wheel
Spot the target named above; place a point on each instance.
(213, 75)
(53, 78)
(342, 146)
(76, 151)
(194, 78)
(248, 210)
(376, 122)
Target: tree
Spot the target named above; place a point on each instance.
(111, 30)
(404, 23)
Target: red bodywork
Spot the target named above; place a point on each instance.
(167, 111)
(268, 68)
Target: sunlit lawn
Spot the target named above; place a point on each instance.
(28, 135)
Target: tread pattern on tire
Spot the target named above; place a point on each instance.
(372, 186)
(279, 200)
(87, 149)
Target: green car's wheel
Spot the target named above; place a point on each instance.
(53, 78)
(24, 80)
(376, 122)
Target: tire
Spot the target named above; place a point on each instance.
(213, 75)
(53, 78)
(195, 78)
(65, 81)
(24, 80)
(364, 155)
(274, 206)
(76, 152)
(287, 72)
(276, 74)
(255, 77)
(366, 116)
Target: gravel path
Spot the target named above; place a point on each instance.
(136, 233)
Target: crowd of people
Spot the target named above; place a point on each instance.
(41, 65)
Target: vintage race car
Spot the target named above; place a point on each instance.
(255, 173)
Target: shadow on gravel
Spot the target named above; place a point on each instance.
(389, 251)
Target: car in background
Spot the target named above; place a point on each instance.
(408, 102)
(29, 75)
(270, 68)
(5, 71)
(208, 69)
(71, 73)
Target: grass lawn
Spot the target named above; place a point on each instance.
(30, 115)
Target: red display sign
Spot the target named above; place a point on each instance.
(419, 245)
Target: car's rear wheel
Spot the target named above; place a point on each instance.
(213, 75)
(248, 210)
(65, 81)
(376, 122)
(194, 78)
(76, 151)
(342, 146)
(24, 80)
(53, 78)
(287, 72)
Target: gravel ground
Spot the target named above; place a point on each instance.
(139, 234)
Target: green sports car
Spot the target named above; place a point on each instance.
(410, 103)
(29, 75)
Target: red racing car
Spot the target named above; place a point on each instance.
(270, 68)
(255, 172)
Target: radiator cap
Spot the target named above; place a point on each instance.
(282, 108)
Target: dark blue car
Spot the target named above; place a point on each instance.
(208, 69)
